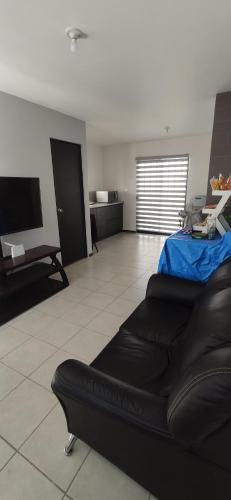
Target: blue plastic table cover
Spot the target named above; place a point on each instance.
(187, 258)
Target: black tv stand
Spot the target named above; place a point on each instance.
(26, 280)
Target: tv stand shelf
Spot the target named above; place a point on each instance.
(24, 283)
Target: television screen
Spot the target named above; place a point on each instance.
(20, 204)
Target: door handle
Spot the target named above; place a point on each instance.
(60, 210)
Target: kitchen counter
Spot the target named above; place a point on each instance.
(99, 205)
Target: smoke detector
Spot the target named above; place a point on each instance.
(74, 34)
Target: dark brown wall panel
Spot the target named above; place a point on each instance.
(220, 158)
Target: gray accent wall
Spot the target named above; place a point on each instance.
(25, 132)
(220, 157)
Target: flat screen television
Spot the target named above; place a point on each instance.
(20, 204)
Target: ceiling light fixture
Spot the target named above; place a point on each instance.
(74, 34)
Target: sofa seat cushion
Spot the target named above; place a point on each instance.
(132, 359)
(158, 321)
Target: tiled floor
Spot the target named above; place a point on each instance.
(76, 323)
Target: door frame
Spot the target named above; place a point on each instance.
(83, 197)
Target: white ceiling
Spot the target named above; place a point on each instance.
(145, 65)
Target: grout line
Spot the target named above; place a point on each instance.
(41, 472)
(22, 381)
(16, 386)
(9, 459)
(78, 470)
(29, 374)
(35, 429)
(19, 345)
(7, 442)
(12, 447)
(19, 452)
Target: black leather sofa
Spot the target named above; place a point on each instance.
(156, 401)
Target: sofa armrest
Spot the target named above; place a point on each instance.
(166, 287)
(200, 403)
(78, 381)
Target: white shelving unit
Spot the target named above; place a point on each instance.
(215, 212)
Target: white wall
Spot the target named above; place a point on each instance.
(95, 167)
(25, 132)
(120, 167)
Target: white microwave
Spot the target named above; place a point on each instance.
(106, 196)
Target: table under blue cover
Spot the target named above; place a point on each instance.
(187, 258)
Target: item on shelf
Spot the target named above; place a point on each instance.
(193, 211)
(198, 235)
(16, 250)
(201, 226)
(220, 183)
(211, 205)
(211, 227)
(187, 230)
(106, 196)
(214, 183)
(228, 183)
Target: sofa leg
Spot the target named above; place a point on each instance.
(71, 443)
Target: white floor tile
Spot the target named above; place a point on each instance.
(141, 283)
(22, 410)
(134, 294)
(98, 300)
(58, 332)
(32, 321)
(29, 356)
(9, 379)
(45, 449)
(124, 279)
(81, 315)
(106, 323)
(86, 344)
(44, 374)
(98, 479)
(113, 289)
(19, 480)
(122, 306)
(55, 306)
(91, 284)
(75, 293)
(134, 272)
(10, 339)
(100, 274)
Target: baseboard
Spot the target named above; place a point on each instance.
(128, 231)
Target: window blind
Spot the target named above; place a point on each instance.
(161, 185)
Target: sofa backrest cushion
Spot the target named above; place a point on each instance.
(221, 278)
(200, 402)
(210, 323)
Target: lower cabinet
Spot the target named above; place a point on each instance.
(109, 220)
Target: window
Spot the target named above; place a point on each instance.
(161, 185)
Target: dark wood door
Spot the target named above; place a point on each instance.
(68, 180)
